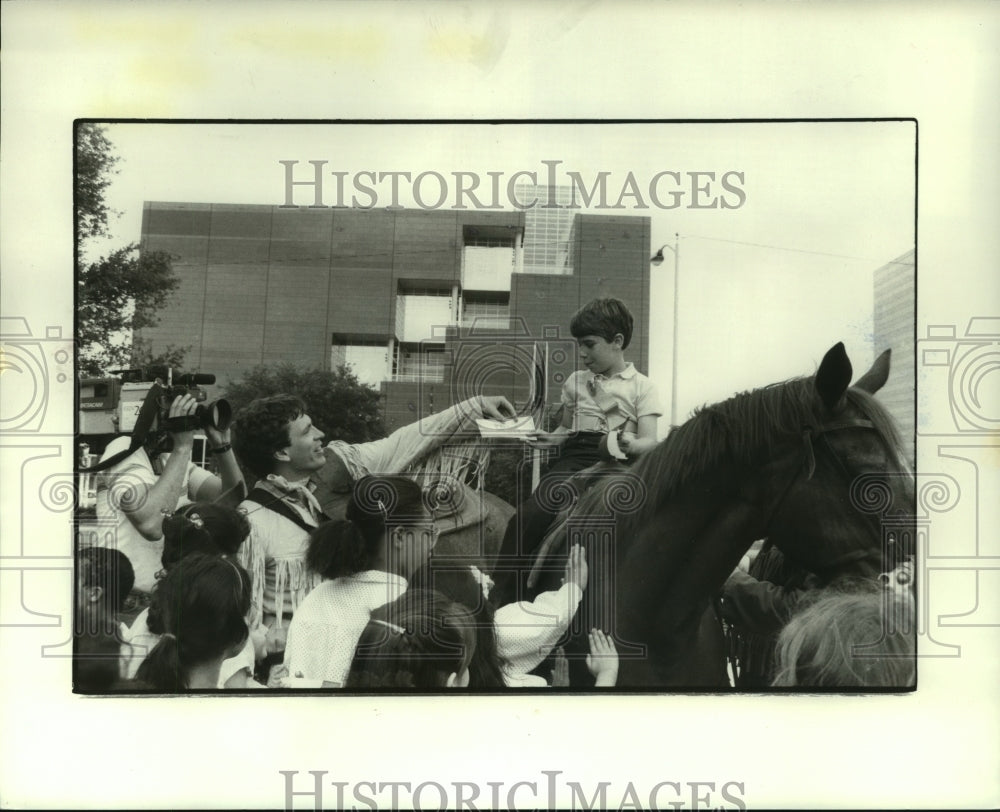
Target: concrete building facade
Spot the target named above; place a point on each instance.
(894, 327)
(428, 306)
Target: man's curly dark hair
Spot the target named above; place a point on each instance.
(261, 428)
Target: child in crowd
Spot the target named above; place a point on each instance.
(513, 639)
(199, 528)
(861, 638)
(610, 395)
(104, 578)
(198, 610)
(365, 559)
(421, 640)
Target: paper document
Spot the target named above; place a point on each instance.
(516, 427)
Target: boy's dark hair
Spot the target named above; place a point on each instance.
(111, 571)
(605, 318)
(261, 428)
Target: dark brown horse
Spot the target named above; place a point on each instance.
(811, 463)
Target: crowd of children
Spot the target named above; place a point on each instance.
(278, 594)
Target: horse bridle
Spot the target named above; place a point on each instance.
(809, 435)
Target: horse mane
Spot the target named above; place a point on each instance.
(733, 431)
(739, 431)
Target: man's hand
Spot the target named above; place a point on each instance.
(275, 639)
(497, 407)
(217, 438)
(183, 406)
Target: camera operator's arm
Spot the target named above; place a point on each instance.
(232, 476)
(145, 505)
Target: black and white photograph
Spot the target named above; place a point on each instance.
(510, 407)
(460, 383)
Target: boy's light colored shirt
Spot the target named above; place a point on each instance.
(600, 403)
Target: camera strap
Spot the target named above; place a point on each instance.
(143, 423)
(267, 500)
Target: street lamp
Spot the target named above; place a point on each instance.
(657, 259)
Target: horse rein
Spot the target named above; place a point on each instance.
(809, 435)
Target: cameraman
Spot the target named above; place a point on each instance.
(134, 494)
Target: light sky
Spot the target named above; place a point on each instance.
(765, 288)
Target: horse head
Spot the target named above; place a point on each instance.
(850, 510)
(812, 463)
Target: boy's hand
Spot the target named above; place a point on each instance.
(626, 439)
(633, 445)
(545, 439)
(602, 661)
(576, 568)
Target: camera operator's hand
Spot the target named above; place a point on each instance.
(217, 438)
(183, 406)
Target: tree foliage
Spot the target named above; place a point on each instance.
(123, 291)
(339, 404)
(143, 357)
(95, 167)
(117, 294)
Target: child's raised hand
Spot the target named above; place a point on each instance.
(602, 661)
(277, 675)
(576, 567)
(560, 670)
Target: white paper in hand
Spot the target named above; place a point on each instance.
(516, 427)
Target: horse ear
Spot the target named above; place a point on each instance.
(834, 376)
(875, 378)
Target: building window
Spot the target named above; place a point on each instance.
(486, 311)
(366, 359)
(547, 230)
(418, 362)
(423, 314)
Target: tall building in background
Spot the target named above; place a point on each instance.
(894, 327)
(547, 226)
(429, 306)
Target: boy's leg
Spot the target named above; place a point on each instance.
(525, 532)
(527, 528)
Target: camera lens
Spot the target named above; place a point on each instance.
(216, 415)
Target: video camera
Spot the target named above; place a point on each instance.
(114, 404)
(138, 403)
(214, 415)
